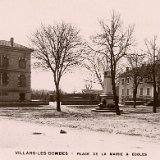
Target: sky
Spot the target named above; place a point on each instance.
(20, 18)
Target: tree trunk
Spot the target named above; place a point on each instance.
(58, 98)
(154, 98)
(115, 93)
(135, 95)
(154, 88)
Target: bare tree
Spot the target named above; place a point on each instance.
(153, 50)
(113, 43)
(96, 65)
(88, 85)
(58, 49)
(136, 71)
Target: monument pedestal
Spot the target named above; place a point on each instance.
(107, 103)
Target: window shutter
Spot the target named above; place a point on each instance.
(0, 61)
(7, 79)
(19, 80)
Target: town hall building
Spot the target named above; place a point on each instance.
(15, 71)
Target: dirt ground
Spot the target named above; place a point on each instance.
(135, 131)
(139, 121)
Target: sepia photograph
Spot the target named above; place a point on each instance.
(79, 80)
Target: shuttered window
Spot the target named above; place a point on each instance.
(22, 80)
(148, 91)
(141, 91)
(4, 62)
(4, 79)
(22, 63)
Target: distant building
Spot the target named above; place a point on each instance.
(125, 86)
(15, 71)
(144, 90)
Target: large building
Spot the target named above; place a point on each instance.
(125, 88)
(144, 92)
(15, 71)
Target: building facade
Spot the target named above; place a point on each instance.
(15, 71)
(125, 88)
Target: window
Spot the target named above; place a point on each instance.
(148, 91)
(22, 63)
(123, 92)
(4, 79)
(4, 61)
(127, 79)
(123, 81)
(127, 92)
(141, 91)
(22, 81)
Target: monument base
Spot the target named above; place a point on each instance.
(106, 105)
(107, 99)
(104, 109)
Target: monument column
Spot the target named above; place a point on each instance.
(107, 103)
(107, 94)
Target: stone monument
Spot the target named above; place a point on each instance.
(106, 102)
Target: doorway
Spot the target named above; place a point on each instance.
(22, 96)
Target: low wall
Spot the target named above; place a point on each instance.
(79, 102)
(25, 103)
(80, 99)
(132, 102)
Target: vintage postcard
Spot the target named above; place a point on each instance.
(79, 79)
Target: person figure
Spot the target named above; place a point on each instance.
(104, 102)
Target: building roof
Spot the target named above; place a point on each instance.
(13, 44)
(130, 71)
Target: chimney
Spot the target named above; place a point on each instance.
(12, 41)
